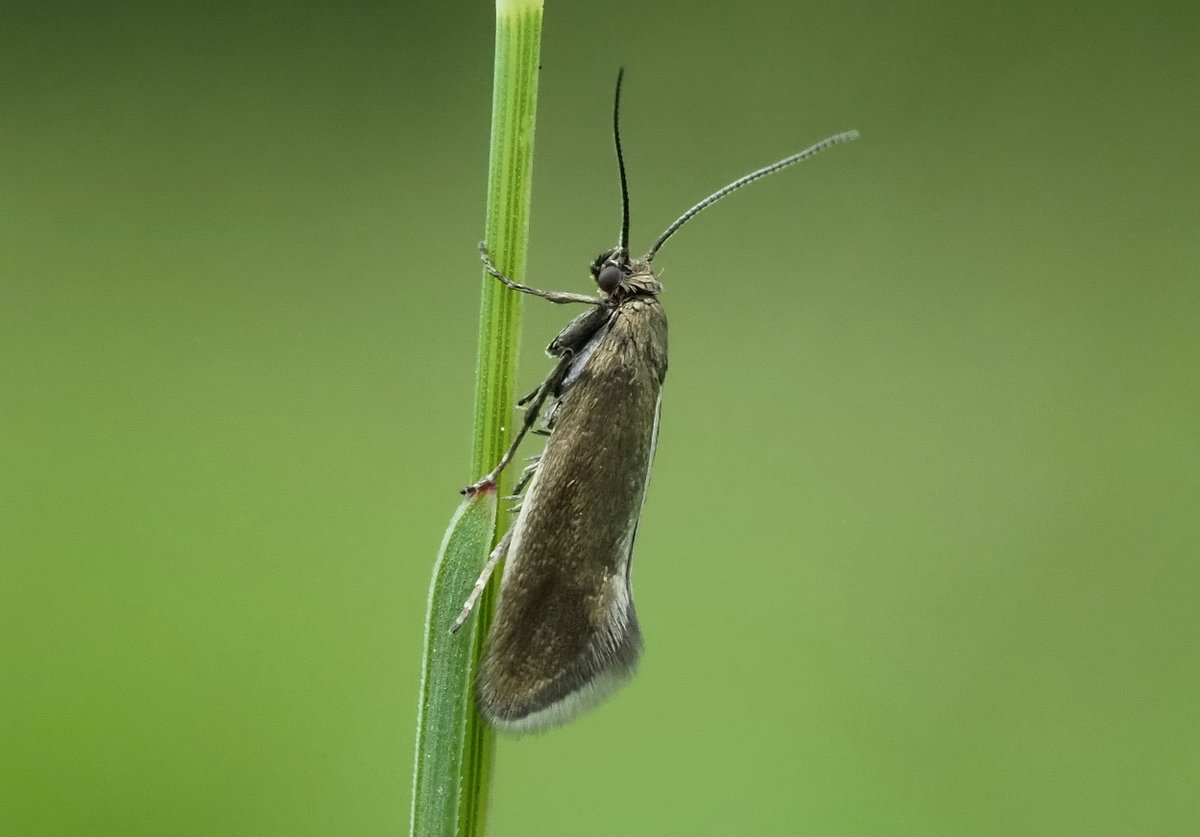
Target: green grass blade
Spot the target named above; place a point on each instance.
(460, 772)
(446, 669)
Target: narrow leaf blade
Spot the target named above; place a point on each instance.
(446, 668)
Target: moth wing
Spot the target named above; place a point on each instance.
(560, 650)
(566, 634)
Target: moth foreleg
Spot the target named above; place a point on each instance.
(553, 296)
(477, 591)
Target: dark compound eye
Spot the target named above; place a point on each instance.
(608, 278)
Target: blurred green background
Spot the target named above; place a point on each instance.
(920, 552)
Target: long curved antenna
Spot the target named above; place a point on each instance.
(624, 244)
(836, 139)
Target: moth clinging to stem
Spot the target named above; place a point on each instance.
(565, 633)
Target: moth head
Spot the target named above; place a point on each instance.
(610, 269)
(620, 277)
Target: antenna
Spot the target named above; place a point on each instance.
(836, 139)
(624, 244)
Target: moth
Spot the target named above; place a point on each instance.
(565, 633)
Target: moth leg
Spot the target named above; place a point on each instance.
(553, 296)
(522, 481)
(526, 476)
(499, 552)
(576, 334)
(531, 416)
(529, 397)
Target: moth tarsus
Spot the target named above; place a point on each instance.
(475, 487)
(493, 559)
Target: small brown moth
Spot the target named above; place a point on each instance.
(565, 633)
